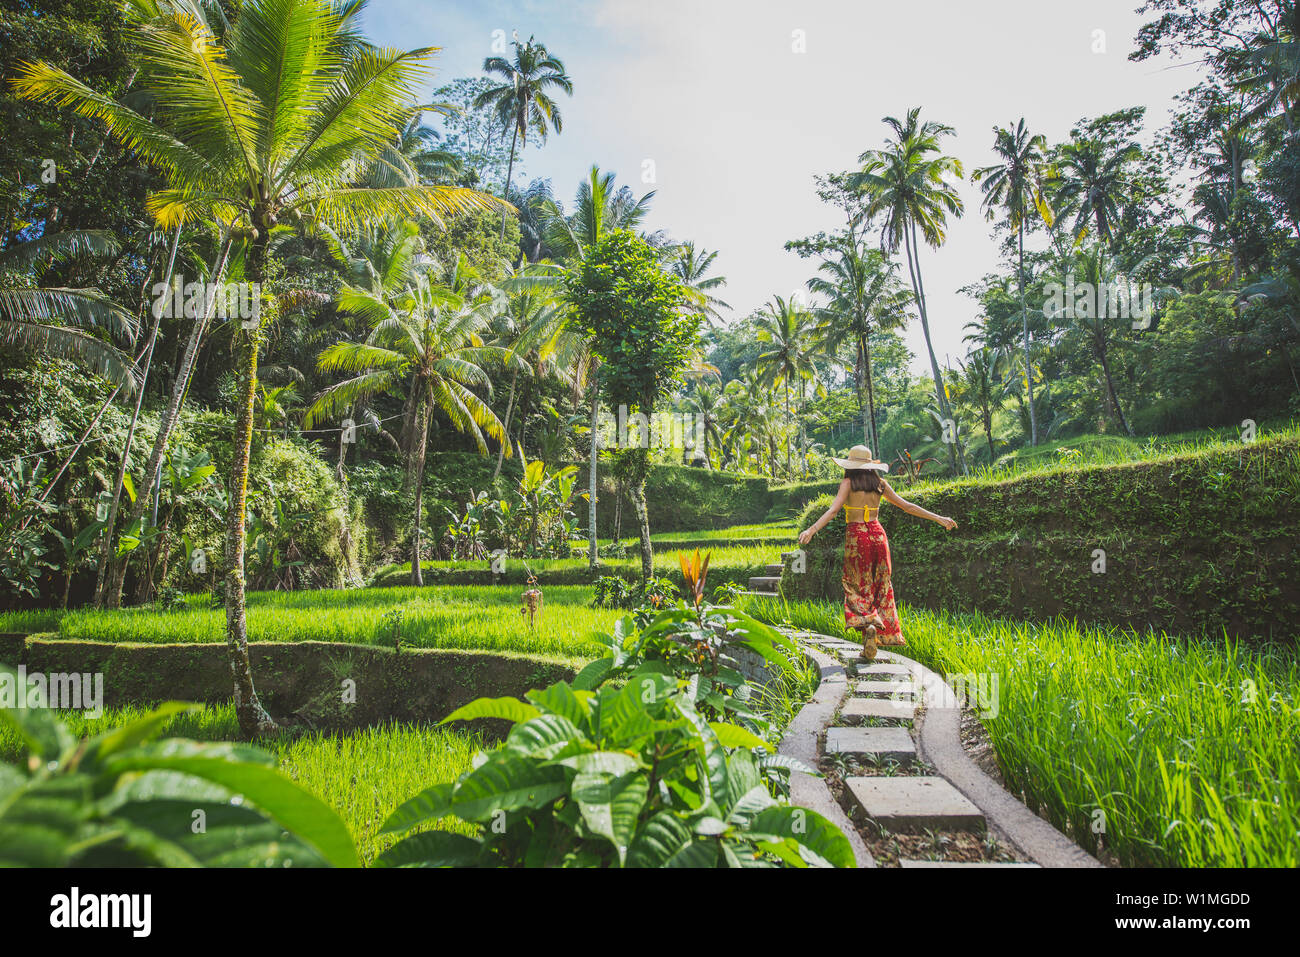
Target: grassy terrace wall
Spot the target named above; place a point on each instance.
(690, 499)
(1206, 541)
(300, 681)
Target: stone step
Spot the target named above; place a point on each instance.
(900, 802)
(885, 689)
(893, 744)
(774, 569)
(764, 583)
(879, 708)
(904, 862)
(887, 671)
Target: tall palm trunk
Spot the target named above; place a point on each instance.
(593, 559)
(1024, 315)
(424, 411)
(787, 428)
(106, 547)
(865, 346)
(253, 719)
(113, 591)
(510, 171)
(918, 287)
(510, 407)
(1110, 386)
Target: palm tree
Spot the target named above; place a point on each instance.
(908, 183)
(521, 100)
(272, 122)
(982, 383)
(692, 267)
(1093, 178)
(1096, 325)
(425, 340)
(1014, 184)
(864, 295)
(790, 330)
(41, 319)
(599, 208)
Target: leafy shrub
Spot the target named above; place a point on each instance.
(620, 776)
(122, 799)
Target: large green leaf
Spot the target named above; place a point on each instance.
(432, 849)
(137, 732)
(734, 736)
(506, 782)
(560, 699)
(818, 837)
(667, 841)
(429, 805)
(545, 736)
(511, 709)
(299, 811)
(611, 806)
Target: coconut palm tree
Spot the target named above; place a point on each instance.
(273, 121)
(692, 266)
(1015, 184)
(42, 319)
(1093, 178)
(864, 295)
(982, 385)
(522, 100)
(425, 341)
(790, 330)
(910, 184)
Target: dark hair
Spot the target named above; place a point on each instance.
(865, 480)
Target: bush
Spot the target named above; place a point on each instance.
(632, 765)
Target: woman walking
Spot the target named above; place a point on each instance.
(868, 590)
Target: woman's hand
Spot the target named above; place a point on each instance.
(947, 523)
(806, 536)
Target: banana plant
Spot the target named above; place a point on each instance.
(122, 798)
(620, 775)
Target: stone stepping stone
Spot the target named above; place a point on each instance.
(884, 689)
(904, 862)
(899, 802)
(879, 708)
(879, 669)
(881, 743)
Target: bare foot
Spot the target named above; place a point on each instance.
(869, 643)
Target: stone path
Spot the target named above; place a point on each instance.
(886, 782)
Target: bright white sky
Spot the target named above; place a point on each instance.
(737, 123)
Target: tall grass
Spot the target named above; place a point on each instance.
(1189, 749)
(478, 617)
(1089, 450)
(364, 775)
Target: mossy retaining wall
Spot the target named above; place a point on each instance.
(1204, 542)
(302, 683)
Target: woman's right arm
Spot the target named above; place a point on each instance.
(911, 508)
(841, 497)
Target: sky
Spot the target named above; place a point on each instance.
(731, 107)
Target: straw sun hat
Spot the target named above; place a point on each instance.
(860, 458)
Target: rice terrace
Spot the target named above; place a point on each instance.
(623, 435)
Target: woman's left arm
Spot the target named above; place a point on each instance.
(841, 497)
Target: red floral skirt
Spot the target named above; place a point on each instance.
(868, 591)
